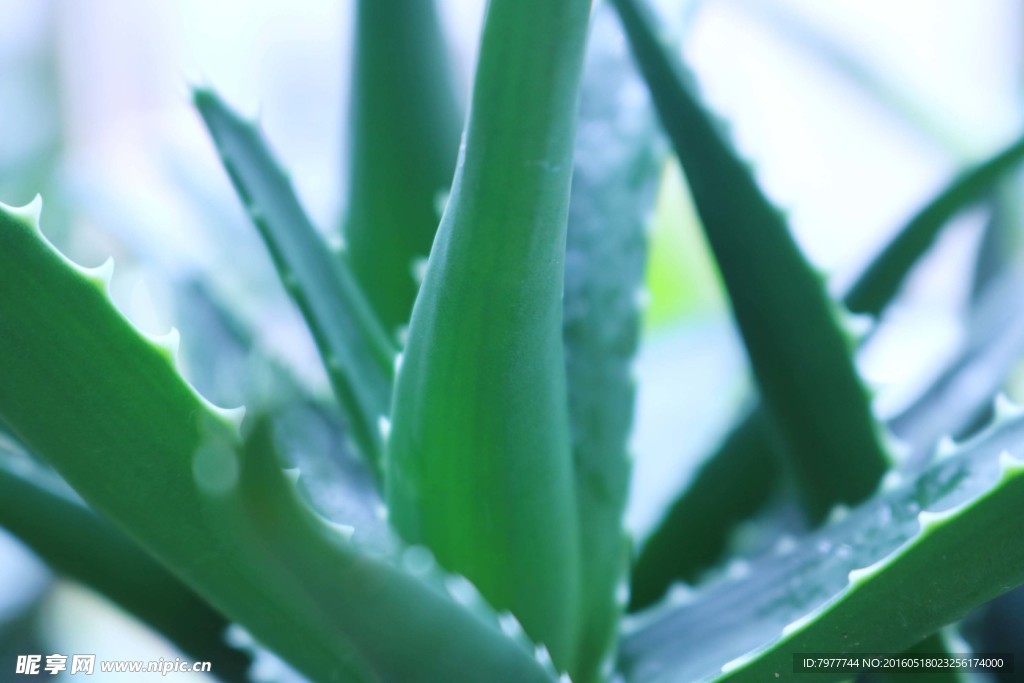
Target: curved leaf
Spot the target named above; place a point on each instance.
(71, 539)
(617, 166)
(895, 570)
(798, 349)
(356, 352)
(879, 283)
(479, 466)
(108, 409)
(404, 139)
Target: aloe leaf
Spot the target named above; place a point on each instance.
(745, 463)
(740, 451)
(46, 517)
(108, 409)
(733, 484)
(404, 140)
(798, 349)
(960, 392)
(338, 484)
(355, 350)
(893, 571)
(480, 421)
(613, 186)
(888, 269)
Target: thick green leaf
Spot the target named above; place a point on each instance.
(738, 478)
(747, 447)
(892, 572)
(883, 277)
(616, 171)
(732, 485)
(798, 349)
(108, 409)
(949, 402)
(354, 348)
(404, 138)
(479, 464)
(226, 358)
(40, 511)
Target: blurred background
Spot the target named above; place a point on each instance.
(853, 114)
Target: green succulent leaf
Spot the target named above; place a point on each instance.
(744, 456)
(479, 466)
(951, 399)
(798, 348)
(870, 582)
(961, 393)
(739, 477)
(882, 279)
(617, 167)
(404, 138)
(355, 350)
(733, 484)
(108, 409)
(40, 510)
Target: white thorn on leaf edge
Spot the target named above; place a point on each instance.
(622, 593)
(292, 473)
(384, 427)
(237, 636)
(797, 624)
(927, 519)
(233, 416)
(858, 575)
(785, 545)
(102, 274)
(401, 335)
(399, 357)
(1005, 408)
(461, 590)
(345, 530)
(418, 269)
(737, 569)
(734, 664)
(897, 447)
(543, 657)
(170, 342)
(608, 666)
(30, 211)
(858, 324)
(417, 559)
(838, 514)
(510, 626)
(892, 480)
(945, 448)
(1008, 462)
(680, 594)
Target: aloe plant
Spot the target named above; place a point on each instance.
(489, 392)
